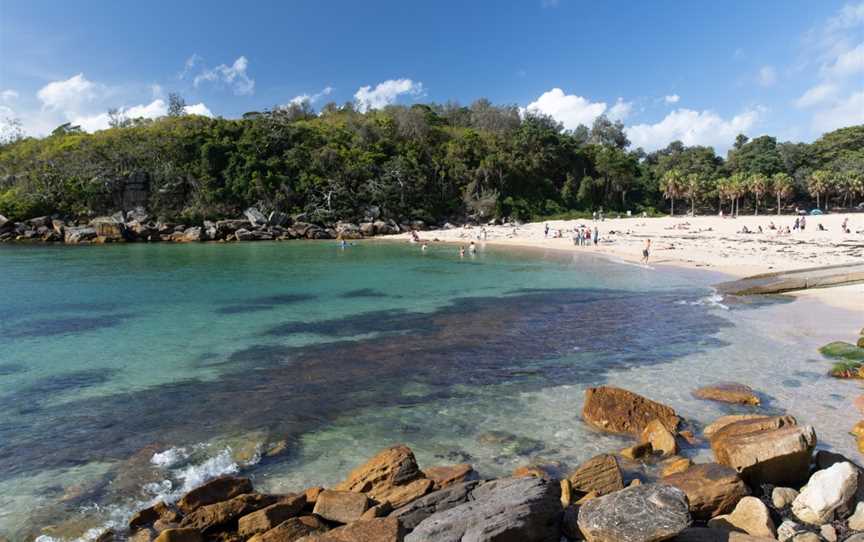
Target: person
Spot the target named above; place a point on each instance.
(771, 226)
(414, 237)
(845, 225)
(588, 235)
(821, 227)
(803, 223)
(472, 248)
(596, 236)
(461, 252)
(646, 252)
(760, 228)
(546, 231)
(423, 246)
(797, 225)
(484, 232)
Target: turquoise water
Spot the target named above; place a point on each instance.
(133, 372)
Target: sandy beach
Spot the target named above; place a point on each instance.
(709, 242)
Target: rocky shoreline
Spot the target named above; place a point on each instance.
(138, 226)
(767, 482)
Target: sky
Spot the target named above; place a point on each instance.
(697, 72)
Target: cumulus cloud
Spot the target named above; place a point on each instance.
(672, 99)
(847, 64)
(817, 95)
(692, 128)
(234, 76)
(311, 98)
(73, 94)
(153, 110)
(386, 93)
(841, 113)
(568, 109)
(767, 76)
(621, 110)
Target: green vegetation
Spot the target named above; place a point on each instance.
(843, 350)
(426, 162)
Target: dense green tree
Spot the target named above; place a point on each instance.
(781, 187)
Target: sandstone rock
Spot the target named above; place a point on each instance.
(192, 235)
(621, 411)
(278, 218)
(216, 516)
(646, 513)
(827, 490)
(364, 530)
(661, 439)
(341, 506)
(699, 534)
(378, 511)
(637, 451)
(600, 473)
(753, 425)
(269, 517)
(80, 234)
(5, 224)
(858, 429)
(292, 530)
(244, 235)
(566, 493)
(855, 538)
(444, 499)
(856, 520)
(179, 535)
(255, 217)
(779, 456)
(109, 228)
(312, 494)
(750, 515)
(392, 475)
(675, 465)
(523, 509)
(728, 392)
(806, 537)
(711, 489)
(57, 225)
(723, 421)
(781, 497)
(537, 471)
(216, 490)
(150, 515)
(448, 475)
(367, 229)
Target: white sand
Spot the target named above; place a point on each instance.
(709, 242)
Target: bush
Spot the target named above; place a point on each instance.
(17, 206)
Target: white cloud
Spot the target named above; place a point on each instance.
(386, 93)
(71, 95)
(153, 110)
(8, 95)
(199, 109)
(311, 98)
(568, 109)
(816, 95)
(848, 63)
(767, 76)
(156, 91)
(692, 128)
(841, 113)
(233, 76)
(672, 99)
(621, 110)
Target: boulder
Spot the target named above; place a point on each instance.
(179, 535)
(570, 524)
(255, 217)
(856, 520)
(661, 439)
(79, 234)
(448, 475)
(523, 509)
(311, 494)
(348, 230)
(788, 529)
(109, 228)
(341, 506)
(728, 392)
(378, 511)
(269, 517)
(278, 218)
(644, 513)
(750, 515)
(367, 229)
(723, 421)
(392, 475)
(675, 465)
(600, 474)
(292, 530)
(364, 530)
(216, 516)
(828, 490)
(216, 490)
(148, 516)
(5, 224)
(192, 235)
(57, 225)
(412, 514)
(711, 489)
(244, 235)
(701, 534)
(781, 497)
(620, 411)
(539, 471)
(637, 451)
(138, 214)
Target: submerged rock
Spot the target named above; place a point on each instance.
(644, 513)
(509, 443)
(728, 392)
(843, 351)
(621, 411)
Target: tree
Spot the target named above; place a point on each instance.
(737, 190)
(672, 186)
(850, 183)
(758, 185)
(693, 185)
(176, 105)
(10, 131)
(606, 132)
(818, 184)
(782, 187)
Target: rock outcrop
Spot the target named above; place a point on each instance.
(392, 475)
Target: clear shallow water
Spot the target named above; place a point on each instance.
(137, 371)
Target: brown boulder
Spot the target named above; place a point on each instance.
(701, 534)
(266, 518)
(364, 530)
(179, 535)
(752, 425)
(750, 515)
(448, 475)
(723, 421)
(728, 392)
(712, 489)
(392, 475)
(537, 471)
(599, 474)
(216, 490)
(620, 411)
(341, 506)
(312, 494)
(674, 465)
(148, 516)
(216, 516)
(292, 530)
(779, 456)
(661, 439)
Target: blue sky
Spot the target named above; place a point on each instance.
(669, 70)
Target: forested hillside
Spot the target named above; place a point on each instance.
(424, 162)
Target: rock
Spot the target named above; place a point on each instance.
(278, 218)
(148, 516)
(523, 509)
(347, 230)
(661, 439)
(216, 490)
(255, 217)
(728, 392)
(57, 225)
(341, 506)
(391, 475)
(509, 443)
(412, 514)
(828, 533)
(570, 524)
(827, 490)
(5, 224)
(699, 534)
(244, 235)
(213, 517)
(711, 489)
(620, 411)
(138, 214)
(364, 530)
(723, 421)
(858, 429)
(675, 465)
(806, 537)
(444, 476)
(779, 456)
(781, 497)
(855, 538)
(537, 471)
(787, 530)
(312, 494)
(271, 516)
(367, 229)
(192, 235)
(566, 492)
(109, 228)
(292, 530)
(378, 511)
(79, 234)
(843, 351)
(179, 535)
(645, 513)
(600, 473)
(750, 515)
(856, 520)
(637, 451)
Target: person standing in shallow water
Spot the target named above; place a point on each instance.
(646, 252)
(461, 252)
(472, 248)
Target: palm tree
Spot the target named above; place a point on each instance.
(737, 189)
(672, 185)
(850, 184)
(781, 185)
(692, 189)
(758, 185)
(818, 183)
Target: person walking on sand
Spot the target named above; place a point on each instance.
(546, 231)
(646, 252)
(596, 235)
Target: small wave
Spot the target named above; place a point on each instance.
(713, 300)
(169, 457)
